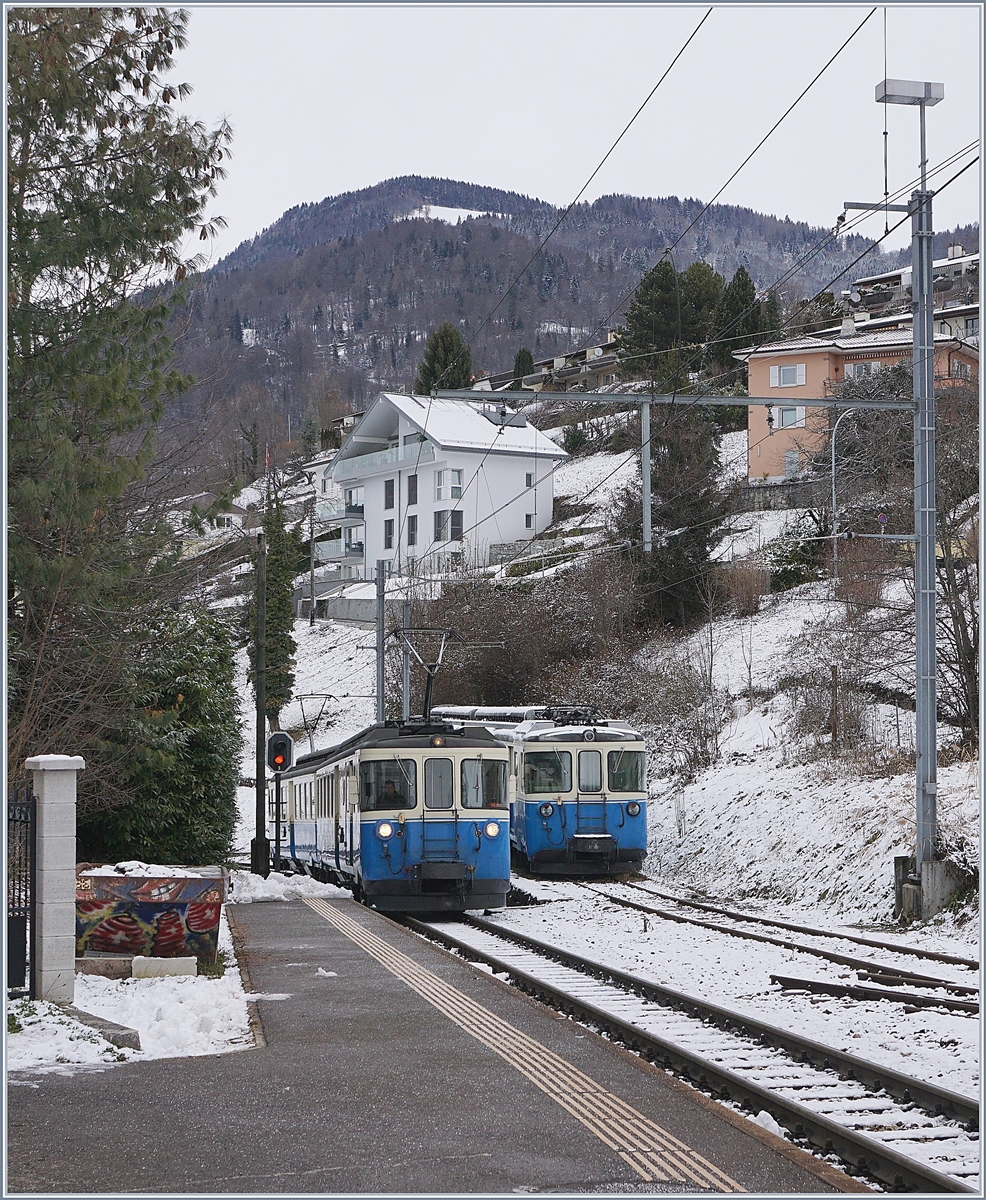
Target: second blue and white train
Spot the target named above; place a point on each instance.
(577, 787)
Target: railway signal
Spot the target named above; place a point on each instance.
(280, 752)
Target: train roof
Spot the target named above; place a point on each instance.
(394, 735)
(551, 723)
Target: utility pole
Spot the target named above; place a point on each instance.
(381, 635)
(646, 536)
(311, 563)
(405, 663)
(922, 95)
(260, 846)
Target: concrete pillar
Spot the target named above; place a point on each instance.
(53, 940)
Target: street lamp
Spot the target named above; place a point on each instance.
(923, 95)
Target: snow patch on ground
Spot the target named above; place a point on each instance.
(177, 1016)
(254, 889)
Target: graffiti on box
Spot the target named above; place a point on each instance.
(166, 918)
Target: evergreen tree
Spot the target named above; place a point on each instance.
(284, 550)
(771, 320)
(650, 325)
(672, 583)
(105, 182)
(447, 362)
(668, 316)
(523, 365)
(309, 434)
(179, 749)
(735, 322)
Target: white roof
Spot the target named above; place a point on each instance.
(849, 342)
(461, 425)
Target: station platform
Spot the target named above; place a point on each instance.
(388, 1066)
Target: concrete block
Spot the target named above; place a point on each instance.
(57, 820)
(56, 762)
(911, 901)
(108, 966)
(941, 882)
(145, 967)
(56, 953)
(116, 1035)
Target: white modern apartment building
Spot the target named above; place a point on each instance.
(429, 484)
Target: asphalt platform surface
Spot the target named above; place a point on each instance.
(405, 1071)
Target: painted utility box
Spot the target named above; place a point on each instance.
(144, 909)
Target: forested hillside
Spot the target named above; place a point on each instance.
(335, 300)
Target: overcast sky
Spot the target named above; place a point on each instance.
(331, 98)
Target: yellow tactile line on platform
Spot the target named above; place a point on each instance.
(650, 1150)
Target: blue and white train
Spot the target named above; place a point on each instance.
(411, 818)
(578, 787)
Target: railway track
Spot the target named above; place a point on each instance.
(969, 964)
(907, 1134)
(886, 975)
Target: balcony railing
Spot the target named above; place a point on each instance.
(327, 511)
(337, 550)
(365, 463)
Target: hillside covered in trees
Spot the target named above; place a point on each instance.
(335, 300)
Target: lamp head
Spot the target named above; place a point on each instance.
(909, 91)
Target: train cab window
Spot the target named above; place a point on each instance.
(590, 771)
(626, 770)
(484, 783)
(438, 783)
(547, 771)
(387, 784)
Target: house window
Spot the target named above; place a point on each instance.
(412, 489)
(530, 479)
(448, 525)
(412, 530)
(971, 326)
(792, 376)
(388, 493)
(529, 520)
(857, 370)
(960, 370)
(787, 418)
(448, 485)
(388, 535)
(792, 463)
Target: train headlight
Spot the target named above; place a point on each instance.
(385, 829)
(546, 810)
(633, 809)
(492, 829)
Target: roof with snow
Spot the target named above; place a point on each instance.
(888, 339)
(480, 424)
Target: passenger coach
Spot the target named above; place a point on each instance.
(412, 818)
(578, 787)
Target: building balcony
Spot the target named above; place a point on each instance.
(372, 464)
(338, 551)
(336, 513)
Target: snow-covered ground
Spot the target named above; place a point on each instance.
(937, 1046)
(177, 1016)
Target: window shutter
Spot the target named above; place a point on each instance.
(801, 374)
(455, 523)
(775, 377)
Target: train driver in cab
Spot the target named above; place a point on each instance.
(390, 797)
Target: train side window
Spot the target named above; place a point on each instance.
(484, 783)
(590, 771)
(438, 783)
(547, 771)
(387, 784)
(626, 770)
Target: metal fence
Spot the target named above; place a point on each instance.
(21, 892)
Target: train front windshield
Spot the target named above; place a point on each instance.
(547, 771)
(388, 784)
(484, 783)
(626, 770)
